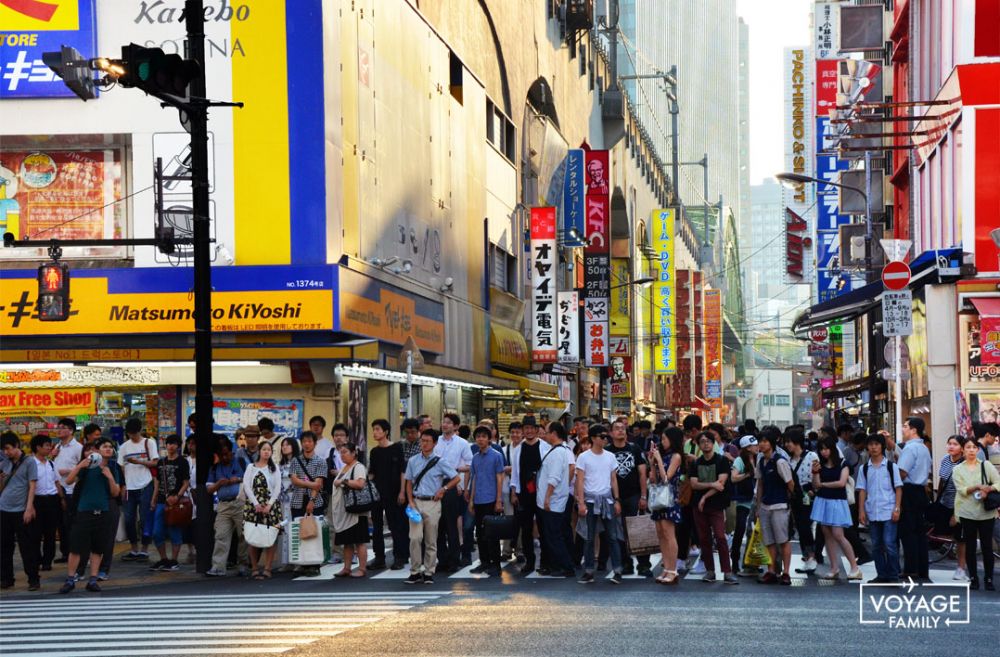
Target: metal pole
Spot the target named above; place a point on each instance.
(897, 365)
(869, 277)
(674, 112)
(198, 117)
(409, 384)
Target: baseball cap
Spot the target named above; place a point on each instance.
(747, 441)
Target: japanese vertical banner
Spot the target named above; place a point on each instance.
(713, 347)
(569, 326)
(574, 193)
(664, 308)
(543, 284)
(597, 262)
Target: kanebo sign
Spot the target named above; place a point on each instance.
(79, 376)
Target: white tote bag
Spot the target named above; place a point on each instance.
(258, 535)
(305, 551)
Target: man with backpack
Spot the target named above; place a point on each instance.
(774, 485)
(880, 496)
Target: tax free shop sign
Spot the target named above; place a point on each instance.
(130, 301)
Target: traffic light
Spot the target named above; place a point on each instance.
(156, 72)
(53, 292)
(75, 71)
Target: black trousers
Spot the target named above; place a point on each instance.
(389, 512)
(630, 507)
(114, 513)
(912, 533)
(452, 508)
(982, 530)
(65, 522)
(687, 533)
(527, 514)
(739, 531)
(47, 520)
(489, 547)
(802, 523)
(13, 530)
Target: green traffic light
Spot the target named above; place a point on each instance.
(143, 71)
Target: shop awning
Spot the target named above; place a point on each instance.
(987, 306)
(858, 302)
(529, 390)
(508, 348)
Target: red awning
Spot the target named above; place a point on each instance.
(987, 306)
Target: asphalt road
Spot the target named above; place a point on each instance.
(512, 616)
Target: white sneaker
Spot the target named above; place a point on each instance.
(699, 568)
(694, 552)
(960, 575)
(808, 566)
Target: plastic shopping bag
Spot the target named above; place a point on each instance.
(756, 554)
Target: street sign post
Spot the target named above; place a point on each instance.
(819, 335)
(897, 313)
(896, 275)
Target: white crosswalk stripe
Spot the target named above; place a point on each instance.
(171, 625)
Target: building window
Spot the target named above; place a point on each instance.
(503, 269)
(455, 73)
(500, 131)
(65, 187)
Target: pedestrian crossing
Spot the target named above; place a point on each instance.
(169, 625)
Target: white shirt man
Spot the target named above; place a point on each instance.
(67, 454)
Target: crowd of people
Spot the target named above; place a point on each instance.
(573, 489)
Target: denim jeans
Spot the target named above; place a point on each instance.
(136, 507)
(885, 548)
(161, 530)
(612, 535)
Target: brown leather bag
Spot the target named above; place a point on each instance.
(179, 515)
(684, 496)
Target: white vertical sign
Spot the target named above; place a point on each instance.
(568, 302)
(543, 285)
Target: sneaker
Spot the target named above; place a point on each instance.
(102, 576)
(415, 578)
(159, 565)
(645, 572)
(785, 579)
(34, 586)
(130, 556)
(699, 568)
(960, 575)
(93, 586)
(215, 572)
(709, 576)
(68, 585)
(748, 572)
(428, 579)
(171, 566)
(730, 578)
(142, 556)
(768, 578)
(616, 578)
(494, 572)
(586, 578)
(808, 566)
(694, 552)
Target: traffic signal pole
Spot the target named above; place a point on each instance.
(204, 424)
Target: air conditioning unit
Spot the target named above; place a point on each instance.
(579, 15)
(613, 104)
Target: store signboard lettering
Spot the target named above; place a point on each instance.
(574, 192)
(543, 285)
(79, 376)
(378, 310)
(46, 402)
(597, 262)
(664, 288)
(569, 326)
(713, 347)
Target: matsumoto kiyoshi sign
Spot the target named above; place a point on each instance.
(118, 301)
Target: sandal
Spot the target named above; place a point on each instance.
(266, 573)
(359, 574)
(343, 573)
(258, 576)
(670, 578)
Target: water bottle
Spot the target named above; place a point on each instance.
(413, 514)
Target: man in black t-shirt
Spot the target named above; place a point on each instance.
(631, 488)
(711, 494)
(524, 490)
(386, 469)
(173, 476)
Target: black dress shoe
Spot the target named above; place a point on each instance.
(973, 584)
(378, 564)
(525, 570)
(397, 565)
(988, 585)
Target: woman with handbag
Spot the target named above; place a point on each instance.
(977, 495)
(667, 462)
(830, 509)
(942, 511)
(261, 511)
(351, 528)
(289, 450)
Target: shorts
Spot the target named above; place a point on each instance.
(89, 534)
(774, 525)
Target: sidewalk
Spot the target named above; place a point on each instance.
(123, 573)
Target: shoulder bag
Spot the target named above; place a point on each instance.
(991, 500)
(180, 514)
(361, 500)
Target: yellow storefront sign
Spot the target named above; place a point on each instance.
(664, 301)
(46, 402)
(96, 311)
(620, 291)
